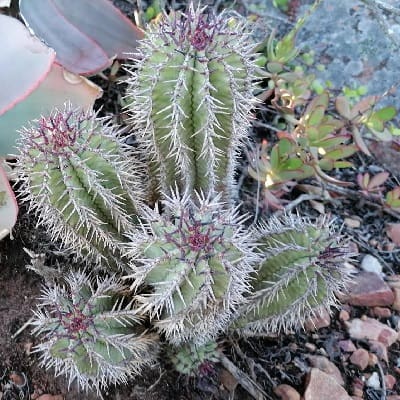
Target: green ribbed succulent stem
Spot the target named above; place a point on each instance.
(190, 359)
(91, 333)
(191, 93)
(197, 261)
(81, 182)
(302, 269)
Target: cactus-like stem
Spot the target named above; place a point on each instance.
(81, 181)
(302, 269)
(191, 93)
(194, 360)
(198, 263)
(91, 334)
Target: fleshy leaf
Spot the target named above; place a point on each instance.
(8, 205)
(58, 88)
(25, 61)
(92, 42)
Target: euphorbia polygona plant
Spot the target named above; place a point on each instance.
(198, 258)
(80, 182)
(91, 332)
(191, 94)
(191, 258)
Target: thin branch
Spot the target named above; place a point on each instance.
(244, 380)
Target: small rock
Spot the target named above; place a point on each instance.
(286, 392)
(396, 302)
(356, 398)
(352, 222)
(379, 349)
(393, 232)
(373, 381)
(394, 281)
(373, 359)
(322, 386)
(390, 381)
(370, 290)
(344, 315)
(310, 347)
(381, 312)
(228, 380)
(371, 264)
(360, 358)
(347, 346)
(371, 329)
(323, 364)
(393, 397)
(322, 319)
(50, 397)
(17, 379)
(357, 387)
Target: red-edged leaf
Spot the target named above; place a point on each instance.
(378, 180)
(8, 205)
(58, 88)
(363, 106)
(25, 61)
(115, 33)
(75, 50)
(86, 34)
(359, 141)
(343, 106)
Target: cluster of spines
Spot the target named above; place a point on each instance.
(192, 93)
(198, 258)
(91, 334)
(302, 270)
(80, 180)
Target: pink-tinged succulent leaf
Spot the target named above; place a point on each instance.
(84, 45)
(115, 33)
(25, 61)
(75, 51)
(8, 205)
(378, 180)
(58, 88)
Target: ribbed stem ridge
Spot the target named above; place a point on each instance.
(301, 271)
(91, 333)
(81, 181)
(191, 93)
(198, 264)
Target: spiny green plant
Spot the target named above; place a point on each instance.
(301, 272)
(91, 333)
(81, 181)
(192, 90)
(190, 359)
(192, 258)
(197, 257)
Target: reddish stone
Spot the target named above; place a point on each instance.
(286, 392)
(381, 312)
(323, 364)
(379, 349)
(370, 290)
(344, 315)
(396, 302)
(360, 358)
(371, 329)
(390, 381)
(322, 386)
(322, 319)
(347, 346)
